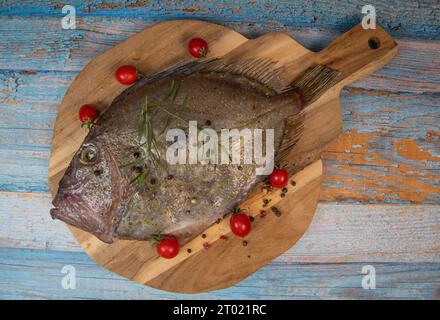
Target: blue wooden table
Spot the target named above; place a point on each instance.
(381, 193)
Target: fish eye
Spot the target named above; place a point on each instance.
(89, 154)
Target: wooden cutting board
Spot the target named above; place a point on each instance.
(225, 262)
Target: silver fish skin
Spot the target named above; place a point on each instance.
(99, 196)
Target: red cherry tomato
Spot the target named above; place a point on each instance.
(126, 75)
(198, 47)
(279, 178)
(87, 114)
(168, 247)
(240, 224)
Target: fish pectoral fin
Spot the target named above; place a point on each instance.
(260, 69)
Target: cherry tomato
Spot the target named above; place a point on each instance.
(240, 224)
(279, 178)
(88, 114)
(126, 75)
(198, 47)
(168, 247)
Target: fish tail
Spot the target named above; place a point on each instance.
(314, 82)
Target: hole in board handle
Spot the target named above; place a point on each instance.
(374, 43)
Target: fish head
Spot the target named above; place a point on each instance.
(90, 190)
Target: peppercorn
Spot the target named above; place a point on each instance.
(189, 250)
(245, 243)
(276, 211)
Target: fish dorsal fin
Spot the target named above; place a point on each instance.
(263, 70)
(179, 68)
(175, 69)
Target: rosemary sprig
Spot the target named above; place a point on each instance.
(139, 180)
(147, 146)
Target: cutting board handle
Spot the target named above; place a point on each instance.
(358, 52)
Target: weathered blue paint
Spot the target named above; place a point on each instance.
(36, 274)
(39, 43)
(400, 18)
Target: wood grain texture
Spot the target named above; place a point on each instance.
(400, 18)
(41, 45)
(346, 233)
(36, 274)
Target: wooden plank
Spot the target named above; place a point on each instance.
(338, 233)
(36, 274)
(389, 151)
(408, 18)
(38, 43)
(396, 133)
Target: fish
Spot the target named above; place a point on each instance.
(119, 183)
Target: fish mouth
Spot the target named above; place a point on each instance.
(73, 210)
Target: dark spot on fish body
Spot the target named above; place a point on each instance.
(97, 172)
(203, 236)
(137, 169)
